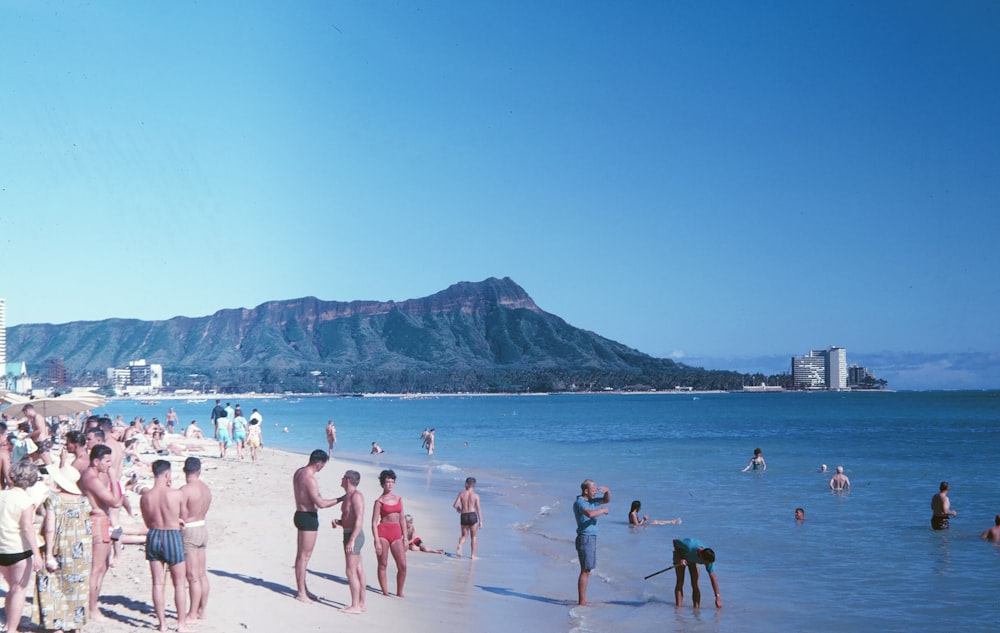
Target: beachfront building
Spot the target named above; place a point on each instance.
(15, 377)
(3, 337)
(139, 377)
(836, 368)
(809, 371)
(820, 369)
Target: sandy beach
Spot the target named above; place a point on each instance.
(252, 549)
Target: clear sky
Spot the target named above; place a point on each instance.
(711, 181)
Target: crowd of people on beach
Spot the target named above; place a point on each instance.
(61, 520)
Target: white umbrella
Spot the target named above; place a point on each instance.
(67, 404)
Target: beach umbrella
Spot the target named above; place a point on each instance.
(9, 397)
(67, 404)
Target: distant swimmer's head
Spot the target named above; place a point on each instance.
(822, 468)
(635, 506)
(708, 555)
(944, 486)
(840, 469)
(756, 452)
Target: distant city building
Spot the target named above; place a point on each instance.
(821, 369)
(859, 377)
(3, 336)
(809, 371)
(15, 378)
(836, 368)
(139, 377)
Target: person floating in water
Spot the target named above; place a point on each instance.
(756, 462)
(635, 520)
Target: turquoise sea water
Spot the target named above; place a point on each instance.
(863, 561)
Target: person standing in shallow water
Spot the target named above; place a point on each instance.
(756, 462)
(470, 516)
(839, 482)
(586, 510)
(688, 554)
(941, 508)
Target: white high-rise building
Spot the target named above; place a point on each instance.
(821, 369)
(836, 368)
(3, 337)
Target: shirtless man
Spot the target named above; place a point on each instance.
(161, 509)
(96, 485)
(39, 434)
(115, 473)
(840, 482)
(467, 503)
(352, 515)
(306, 520)
(941, 507)
(172, 420)
(197, 498)
(992, 534)
(331, 435)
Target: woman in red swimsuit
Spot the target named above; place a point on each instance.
(387, 525)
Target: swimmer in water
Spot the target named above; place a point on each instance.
(756, 462)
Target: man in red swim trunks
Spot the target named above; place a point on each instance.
(103, 495)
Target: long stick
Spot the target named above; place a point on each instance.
(655, 573)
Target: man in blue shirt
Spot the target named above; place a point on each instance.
(688, 553)
(586, 509)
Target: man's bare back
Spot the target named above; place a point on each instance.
(197, 498)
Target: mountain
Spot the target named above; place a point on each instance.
(485, 336)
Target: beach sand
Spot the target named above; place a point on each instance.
(252, 549)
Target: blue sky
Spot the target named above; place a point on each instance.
(724, 183)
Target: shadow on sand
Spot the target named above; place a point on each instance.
(504, 591)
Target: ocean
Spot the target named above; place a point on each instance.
(866, 560)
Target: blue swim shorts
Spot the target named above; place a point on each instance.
(586, 550)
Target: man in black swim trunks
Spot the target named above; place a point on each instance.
(941, 507)
(467, 503)
(306, 520)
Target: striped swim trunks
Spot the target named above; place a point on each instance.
(166, 546)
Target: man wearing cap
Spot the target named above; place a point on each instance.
(197, 498)
(840, 482)
(688, 554)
